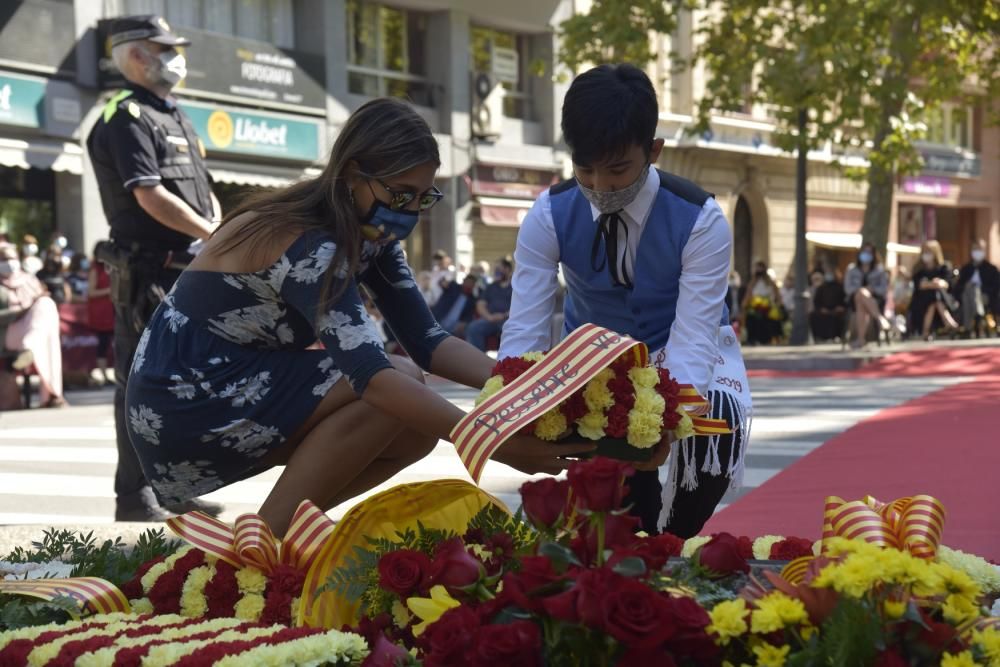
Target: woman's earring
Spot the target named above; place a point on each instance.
(350, 194)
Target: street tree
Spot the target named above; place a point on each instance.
(868, 72)
(614, 31)
(861, 75)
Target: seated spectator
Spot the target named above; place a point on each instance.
(867, 286)
(761, 308)
(457, 306)
(442, 273)
(54, 279)
(978, 290)
(827, 319)
(493, 306)
(31, 320)
(931, 292)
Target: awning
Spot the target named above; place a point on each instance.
(503, 211)
(853, 241)
(41, 154)
(257, 175)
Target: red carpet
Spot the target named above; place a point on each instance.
(918, 363)
(946, 444)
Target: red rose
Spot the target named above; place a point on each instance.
(939, 636)
(636, 615)
(453, 566)
(385, 654)
(581, 603)
(446, 642)
(536, 572)
(689, 620)
(545, 501)
(618, 421)
(890, 658)
(791, 548)
(619, 534)
(599, 484)
(745, 545)
(721, 556)
(646, 656)
(657, 549)
(403, 572)
(518, 643)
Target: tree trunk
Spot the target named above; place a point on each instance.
(800, 316)
(878, 207)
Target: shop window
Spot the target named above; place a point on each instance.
(517, 102)
(27, 203)
(951, 125)
(385, 52)
(264, 20)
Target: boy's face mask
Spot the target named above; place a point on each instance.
(615, 200)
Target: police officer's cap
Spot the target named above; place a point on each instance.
(147, 26)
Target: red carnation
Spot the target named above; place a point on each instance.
(222, 591)
(575, 407)
(511, 368)
(133, 587)
(791, 548)
(165, 595)
(286, 579)
(618, 420)
(277, 608)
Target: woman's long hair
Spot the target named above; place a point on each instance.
(933, 247)
(385, 138)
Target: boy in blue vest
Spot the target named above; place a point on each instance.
(646, 254)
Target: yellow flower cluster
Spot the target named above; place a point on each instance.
(988, 643)
(729, 620)
(776, 611)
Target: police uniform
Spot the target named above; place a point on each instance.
(142, 140)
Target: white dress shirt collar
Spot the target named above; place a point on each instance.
(638, 210)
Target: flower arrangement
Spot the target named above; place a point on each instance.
(626, 407)
(761, 306)
(194, 584)
(129, 639)
(576, 585)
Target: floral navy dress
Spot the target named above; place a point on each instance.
(223, 374)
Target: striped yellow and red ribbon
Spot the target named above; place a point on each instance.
(250, 542)
(565, 369)
(91, 594)
(913, 523)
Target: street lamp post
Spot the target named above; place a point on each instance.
(800, 317)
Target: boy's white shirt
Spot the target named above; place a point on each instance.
(692, 350)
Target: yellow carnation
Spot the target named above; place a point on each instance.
(776, 611)
(771, 656)
(592, 425)
(141, 606)
(647, 400)
(692, 544)
(251, 580)
(193, 602)
(685, 427)
(400, 614)
(728, 620)
(492, 386)
(551, 425)
(596, 394)
(646, 377)
(533, 356)
(644, 429)
(250, 607)
(762, 546)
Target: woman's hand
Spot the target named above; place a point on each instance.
(660, 454)
(531, 455)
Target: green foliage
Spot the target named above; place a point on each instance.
(868, 71)
(492, 520)
(113, 561)
(614, 31)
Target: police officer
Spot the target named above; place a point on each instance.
(157, 197)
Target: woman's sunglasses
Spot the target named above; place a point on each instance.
(400, 199)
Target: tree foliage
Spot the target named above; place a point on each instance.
(614, 31)
(867, 71)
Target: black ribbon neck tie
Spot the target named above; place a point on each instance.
(607, 229)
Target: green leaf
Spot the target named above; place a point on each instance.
(632, 567)
(561, 556)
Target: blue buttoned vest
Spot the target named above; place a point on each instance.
(646, 312)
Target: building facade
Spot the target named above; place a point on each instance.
(271, 83)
